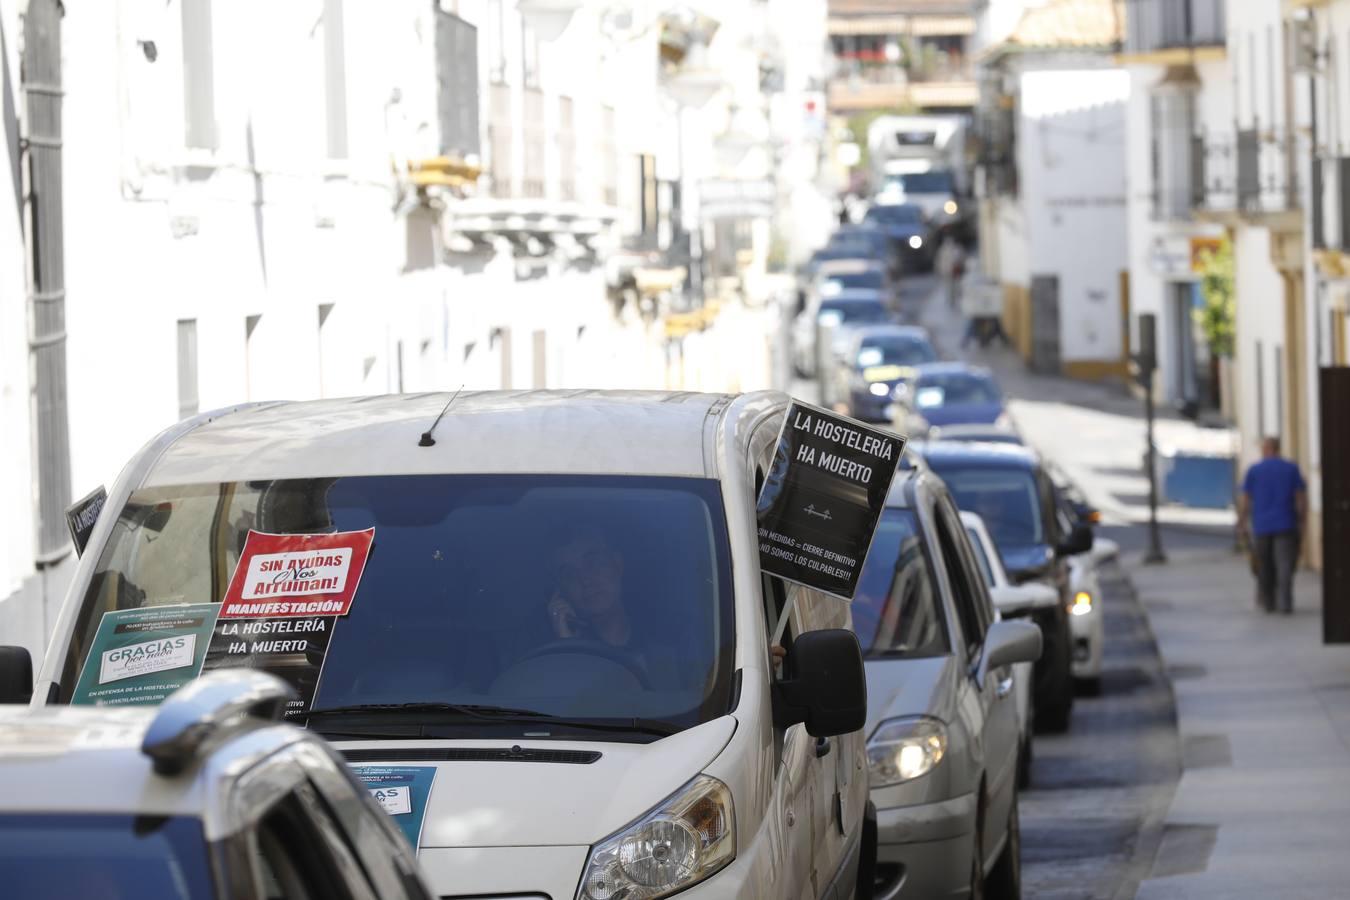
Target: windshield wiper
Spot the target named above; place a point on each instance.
(497, 714)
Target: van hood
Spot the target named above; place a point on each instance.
(909, 687)
(474, 803)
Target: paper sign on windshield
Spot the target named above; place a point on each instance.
(403, 792)
(297, 574)
(820, 503)
(144, 655)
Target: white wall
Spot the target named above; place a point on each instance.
(17, 528)
(1072, 164)
(1260, 327)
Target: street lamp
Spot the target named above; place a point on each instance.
(1146, 362)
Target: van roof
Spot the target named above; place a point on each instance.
(488, 432)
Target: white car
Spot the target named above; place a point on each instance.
(537, 620)
(206, 797)
(1013, 601)
(1086, 619)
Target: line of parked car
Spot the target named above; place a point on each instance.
(558, 668)
(1028, 531)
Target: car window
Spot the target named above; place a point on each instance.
(474, 587)
(897, 610)
(869, 279)
(955, 389)
(76, 855)
(1007, 499)
(981, 556)
(895, 351)
(895, 214)
(923, 182)
(962, 579)
(854, 312)
(299, 852)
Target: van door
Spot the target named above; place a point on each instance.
(794, 802)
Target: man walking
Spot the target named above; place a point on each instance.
(1273, 506)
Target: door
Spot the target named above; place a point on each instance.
(1334, 391)
(1045, 324)
(989, 709)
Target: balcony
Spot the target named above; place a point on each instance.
(934, 80)
(1249, 176)
(1173, 31)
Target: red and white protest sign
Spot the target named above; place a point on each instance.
(297, 574)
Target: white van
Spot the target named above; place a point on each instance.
(536, 627)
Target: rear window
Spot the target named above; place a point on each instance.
(870, 279)
(923, 182)
(855, 313)
(897, 610)
(1005, 498)
(955, 389)
(94, 856)
(895, 351)
(898, 214)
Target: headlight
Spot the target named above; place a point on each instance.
(689, 836)
(901, 750)
(880, 389)
(949, 207)
(1082, 604)
(1005, 422)
(915, 241)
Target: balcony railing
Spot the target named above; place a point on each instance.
(1153, 25)
(1250, 174)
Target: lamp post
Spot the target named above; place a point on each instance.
(1146, 363)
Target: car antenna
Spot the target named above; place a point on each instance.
(427, 440)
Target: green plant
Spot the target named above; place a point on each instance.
(1215, 315)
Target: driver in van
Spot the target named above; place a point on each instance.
(588, 600)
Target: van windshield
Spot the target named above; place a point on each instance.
(607, 598)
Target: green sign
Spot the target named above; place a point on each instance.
(141, 656)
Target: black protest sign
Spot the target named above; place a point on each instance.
(821, 500)
(291, 648)
(82, 516)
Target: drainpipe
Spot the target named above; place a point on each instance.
(40, 83)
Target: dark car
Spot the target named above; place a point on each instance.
(950, 393)
(861, 242)
(1011, 490)
(878, 358)
(908, 229)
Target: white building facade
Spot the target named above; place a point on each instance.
(366, 198)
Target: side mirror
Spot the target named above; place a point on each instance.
(828, 690)
(1007, 643)
(16, 675)
(1078, 541)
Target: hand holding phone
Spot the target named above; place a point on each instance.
(562, 616)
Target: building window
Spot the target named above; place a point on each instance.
(567, 151)
(457, 85)
(535, 136)
(1176, 156)
(199, 90)
(501, 138)
(335, 79)
(187, 368)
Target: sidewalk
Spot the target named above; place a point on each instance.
(1262, 809)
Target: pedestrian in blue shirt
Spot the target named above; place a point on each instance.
(1273, 506)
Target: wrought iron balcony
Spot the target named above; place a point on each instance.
(1250, 174)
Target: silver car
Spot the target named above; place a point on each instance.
(942, 724)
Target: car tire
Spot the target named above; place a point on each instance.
(867, 857)
(1005, 879)
(1090, 687)
(1054, 719)
(1024, 757)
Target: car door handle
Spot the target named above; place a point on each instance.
(823, 746)
(1003, 687)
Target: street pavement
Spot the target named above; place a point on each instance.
(1263, 805)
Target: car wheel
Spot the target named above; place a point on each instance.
(1005, 879)
(1090, 687)
(1054, 719)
